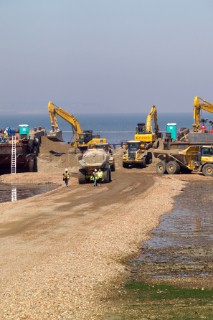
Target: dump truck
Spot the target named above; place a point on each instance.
(90, 160)
(107, 147)
(192, 159)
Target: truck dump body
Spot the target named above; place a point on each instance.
(183, 158)
(93, 158)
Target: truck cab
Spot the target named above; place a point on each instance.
(135, 154)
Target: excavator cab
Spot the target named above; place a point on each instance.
(85, 137)
(141, 128)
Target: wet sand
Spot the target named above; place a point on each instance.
(180, 249)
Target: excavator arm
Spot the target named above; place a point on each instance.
(82, 139)
(200, 104)
(55, 111)
(53, 118)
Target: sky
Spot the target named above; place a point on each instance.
(105, 56)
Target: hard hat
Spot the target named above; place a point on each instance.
(66, 169)
(95, 170)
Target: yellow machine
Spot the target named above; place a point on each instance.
(82, 139)
(144, 130)
(200, 104)
(135, 153)
(193, 158)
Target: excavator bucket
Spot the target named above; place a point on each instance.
(55, 135)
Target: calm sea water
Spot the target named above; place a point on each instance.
(115, 127)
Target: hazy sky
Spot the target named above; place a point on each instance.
(105, 55)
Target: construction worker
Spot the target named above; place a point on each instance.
(99, 176)
(5, 133)
(92, 178)
(66, 177)
(95, 177)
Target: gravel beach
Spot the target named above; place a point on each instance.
(61, 252)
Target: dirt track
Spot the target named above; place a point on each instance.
(61, 251)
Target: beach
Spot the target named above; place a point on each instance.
(63, 252)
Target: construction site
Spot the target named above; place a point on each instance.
(66, 252)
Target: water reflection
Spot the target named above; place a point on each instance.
(182, 242)
(14, 194)
(18, 192)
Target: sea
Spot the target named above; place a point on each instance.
(116, 128)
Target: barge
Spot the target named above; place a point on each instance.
(26, 145)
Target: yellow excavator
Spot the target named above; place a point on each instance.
(200, 104)
(136, 151)
(82, 139)
(144, 130)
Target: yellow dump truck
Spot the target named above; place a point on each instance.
(192, 159)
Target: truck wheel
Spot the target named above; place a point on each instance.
(31, 164)
(81, 178)
(161, 167)
(207, 170)
(125, 165)
(177, 168)
(149, 158)
(172, 167)
(113, 167)
(106, 175)
(143, 164)
(156, 144)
